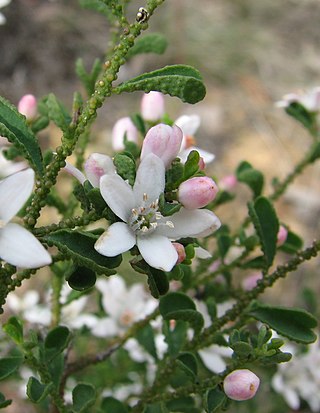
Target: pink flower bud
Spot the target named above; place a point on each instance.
(197, 192)
(180, 250)
(251, 281)
(27, 106)
(96, 166)
(241, 385)
(163, 141)
(282, 235)
(228, 182)
(152, 106)
(123, 127)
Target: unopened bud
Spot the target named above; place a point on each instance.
(201, 164)
(228, 182)
(27, 106)
(241, 385)
(181, 251)
(282, 235)
(164, 141)
(251, 281)
(124, 127)
(96, 166)
(197, 192)
(152, 106)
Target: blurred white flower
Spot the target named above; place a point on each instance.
(189, 125)
(123, 306)
(300, 379)
(213, 357)
(3, 3)
(309, 99)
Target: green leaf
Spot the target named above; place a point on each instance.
(81, 278)
(314, 153)
(266, 223)
(158, 282)
(88, 79)
(3, 402)
(178, 306)
(14, 127)
(292, 244)
(214, 399)
(145, 337)
(294, 323)
(80, 247)
(112, 405)
(184, 404)
(96, 5)
(83, 396)
(126, 167)
(175, 337)
(224, 243)
(242, 349)
(252, 177)
(159, 407)
(14, 329)
(8, 365)
(192, 164)
(181, 81)
(188, 363)
(56, 341)
(302, 115)
(57, 112)
(149, 43)
(37, 391)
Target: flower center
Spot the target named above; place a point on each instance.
(146, 218)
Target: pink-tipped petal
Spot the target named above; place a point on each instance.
(152, 106)
(124, 127)
(96, 166)
(163, 141)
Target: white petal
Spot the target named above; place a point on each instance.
(188, 124)
(190, 223)
(105, 327)
(207, 156)
(4, 3)
(202, 253)
(72, 170)
(213, 361)
(157, 251)
(19, 247)
(14, 193)
(118, 195)
(117, 239)
(150, 178)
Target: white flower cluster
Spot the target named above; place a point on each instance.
(300, 379)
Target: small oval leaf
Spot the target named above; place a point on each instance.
(266, 223)
(83, 396)
(8, 365)
(294, 323)
(181, 81)
(14, 127)
(37, 391)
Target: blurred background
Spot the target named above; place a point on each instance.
(250, 54)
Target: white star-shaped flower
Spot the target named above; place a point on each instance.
(143, 224)
(17, 245)
(189, 125)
